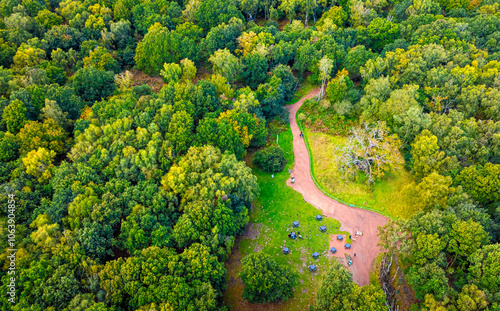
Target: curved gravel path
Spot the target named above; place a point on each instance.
(351, 219)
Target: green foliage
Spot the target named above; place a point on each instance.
(14, 116)
(481, 182)
(7, 52)
(340, 93)
(8, 147)
(39, 164)
(172, 73)
(466, 238)
(337, 291)
(198, 266)
(254, 69)
(471, 298)
(380, 32)
(27, 56)
(93, 84)
(432, 192)
(51, 110)
(426, 155)
(270, 159)
(47, 135)
(428, 279)
(161, 45)
(223, 36)
(48, 19)
(427, 248)
(212, 13)
(334, 16)
(485, 267)
(180, 131)
(133, 199)
(101, 59)
(225, 64)
(288, 80)
(356, 58)
(265, 280)
(307, 57)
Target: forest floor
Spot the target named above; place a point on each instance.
(384, 196)
(140, 78)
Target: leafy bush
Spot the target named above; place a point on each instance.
(142, 89)
(265, 280)
(270, 159)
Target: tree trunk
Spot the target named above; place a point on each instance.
(307, 15)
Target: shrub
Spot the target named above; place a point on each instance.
(265, 280)
(142, 89)
(270, 159)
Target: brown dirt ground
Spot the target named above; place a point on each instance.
(140, 78)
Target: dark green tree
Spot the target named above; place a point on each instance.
(254, 69)
(212, 13)
(265, 279)
(356, 58)
(92, 84)
(337, 291)
(270, 159)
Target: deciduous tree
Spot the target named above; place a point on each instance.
(225, 64)
(14, 116)
(371, 150)
(265, 280)
(39, 164)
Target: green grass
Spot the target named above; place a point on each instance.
(325, 120)
(276, 208)
(384, 196)
(305, 88)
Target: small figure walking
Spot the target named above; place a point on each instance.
(354, 254)
(301, 134)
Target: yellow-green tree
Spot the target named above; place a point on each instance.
(38, 163)
(14, 116)
(426, 156)
(225, 64)
(432, 192)
(46, 234)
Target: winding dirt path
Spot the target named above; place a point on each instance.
(351, 219)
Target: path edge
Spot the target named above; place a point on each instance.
(313, 176)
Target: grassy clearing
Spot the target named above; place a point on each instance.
(270, 222)
(323, 119)
(385, 195)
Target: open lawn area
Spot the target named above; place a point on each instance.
(385, 196)
(270, 222)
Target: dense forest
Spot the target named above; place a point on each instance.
(125, 125)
